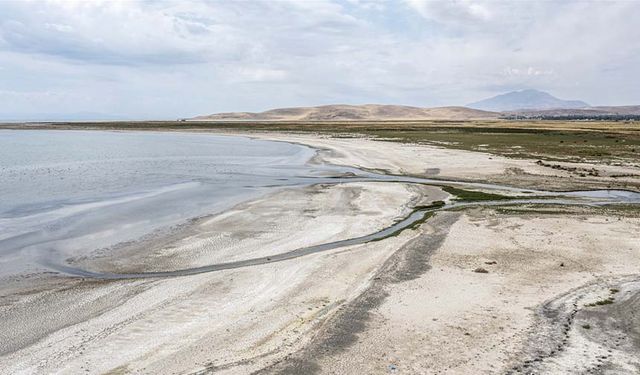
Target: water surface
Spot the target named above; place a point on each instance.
(78, 193)
(68, 193)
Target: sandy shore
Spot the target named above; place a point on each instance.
(236, 320)
(529, 314)
(452, 164)
(410, 303)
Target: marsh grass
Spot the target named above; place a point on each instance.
(602, 302)
(471, 195)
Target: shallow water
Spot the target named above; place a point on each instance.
(67, 193)
(391, 230)
(71, 193)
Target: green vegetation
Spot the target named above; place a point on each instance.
(470, 195)
(602, 302)
(614, 290)
(623, 210)
(521, 143)
(529, 209)
(433, 205)
(420, 221)
(586, 326)
(619, 210)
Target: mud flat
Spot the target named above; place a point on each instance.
(488, 290)
(471, 290)
(237, 320)
(539, 308)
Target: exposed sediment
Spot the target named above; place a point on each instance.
(250, 316)
(342, 331)
(518, 316)
(410, 303)
(592, 329)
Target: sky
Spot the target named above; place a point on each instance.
(174, 59)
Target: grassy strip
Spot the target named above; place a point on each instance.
(463, 195)
(606, 301)
(433, 205)
(551, 145)
(620, 210)
(469, 195)
(515, 210)
(420, 221)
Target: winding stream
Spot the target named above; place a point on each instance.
(590, 197)
(64, 194)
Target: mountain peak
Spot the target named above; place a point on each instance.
(525, 99)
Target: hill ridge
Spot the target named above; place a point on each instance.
(338, 112)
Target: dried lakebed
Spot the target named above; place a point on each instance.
(150, 165)
(328, 174)
(318, 310)
(589, 198)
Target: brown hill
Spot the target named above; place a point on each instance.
(341, 112)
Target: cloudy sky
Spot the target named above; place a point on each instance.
(169, 59)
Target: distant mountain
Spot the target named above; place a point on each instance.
(340, 112)
(525, 99)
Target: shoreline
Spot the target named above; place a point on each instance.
(140, 288)
(374, 307)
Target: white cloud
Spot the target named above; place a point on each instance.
(255, 74)
(178, 58)
(455, 10)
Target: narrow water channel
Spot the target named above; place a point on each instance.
(590, 197)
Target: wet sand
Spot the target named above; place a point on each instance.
(236, 319)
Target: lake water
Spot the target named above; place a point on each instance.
(66, 193)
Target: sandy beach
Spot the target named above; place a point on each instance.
(528, 314)
(453, 164)
(410, 303)
(250, 315)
